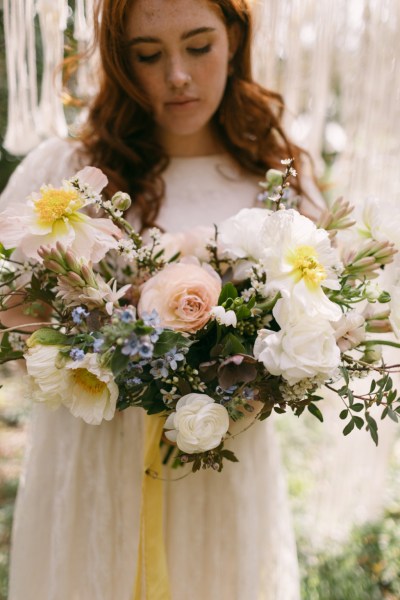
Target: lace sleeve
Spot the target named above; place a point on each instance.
(51, 162)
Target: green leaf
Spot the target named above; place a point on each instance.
(359, 422)
(343, 414)
(314, 410)
(372, 427)
(48, 337)
(232, 345)
(345, 375)
(373, 386)
(393, 415)
(228, 292)
(349, 427)
(119, 362)
(243, 312)
(357, 407)
(229, 455)
(167, 341)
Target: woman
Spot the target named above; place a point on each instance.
(179, 123)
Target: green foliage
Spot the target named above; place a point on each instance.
(366, 568)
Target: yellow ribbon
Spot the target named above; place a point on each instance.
(152, 560)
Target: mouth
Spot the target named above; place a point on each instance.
(181, 102)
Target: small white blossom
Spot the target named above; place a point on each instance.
(224, 317)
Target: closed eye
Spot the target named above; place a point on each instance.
(149, 58)
(202, 50)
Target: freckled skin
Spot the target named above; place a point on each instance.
(183, 78)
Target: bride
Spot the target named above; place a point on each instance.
(178, 123)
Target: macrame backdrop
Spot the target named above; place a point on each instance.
(337, 65)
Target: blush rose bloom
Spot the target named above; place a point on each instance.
(183, 295)
(198, 425)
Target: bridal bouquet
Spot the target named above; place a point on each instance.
(253, 320)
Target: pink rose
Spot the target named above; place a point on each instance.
(183, 295)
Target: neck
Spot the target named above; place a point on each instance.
(202, 143)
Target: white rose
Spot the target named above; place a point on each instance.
(305, 347)
(349, 330)
(239, 236)
(198, 425)
(224, 317)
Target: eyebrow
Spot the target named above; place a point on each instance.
(184, 36)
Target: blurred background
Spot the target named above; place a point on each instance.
(338, 66)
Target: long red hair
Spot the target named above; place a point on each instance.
(119, 134)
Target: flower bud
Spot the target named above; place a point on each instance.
(121, 201)
(372, 354)
(52, 265)
(274, 177)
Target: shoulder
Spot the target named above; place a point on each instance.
(52, 161)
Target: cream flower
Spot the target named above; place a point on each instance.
(46, 380)
(92, 392)
(55, 214)
(299, 261)
(198, 425)
(394, 304)
(305, 347)
(87, 389)
(239, 236)
(183, 295)
(381, 220)
(192, 242)
(349, 330)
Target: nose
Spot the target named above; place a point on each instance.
(178, 75)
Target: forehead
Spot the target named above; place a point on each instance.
(164, 14)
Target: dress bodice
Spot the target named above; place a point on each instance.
(200, 190)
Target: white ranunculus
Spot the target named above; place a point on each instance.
(239, 236)
(381, 220)
(92, 391)
(46, 380)
(198, 425)
(349, 330)
(224, 317)
(305, 347)
(299, 261)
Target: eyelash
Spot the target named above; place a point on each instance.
(152, 58)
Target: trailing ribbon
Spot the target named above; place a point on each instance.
(152, 560)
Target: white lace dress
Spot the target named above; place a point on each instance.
(229, 535)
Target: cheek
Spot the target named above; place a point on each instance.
(150, 83)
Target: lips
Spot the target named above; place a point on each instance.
(183, 101)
